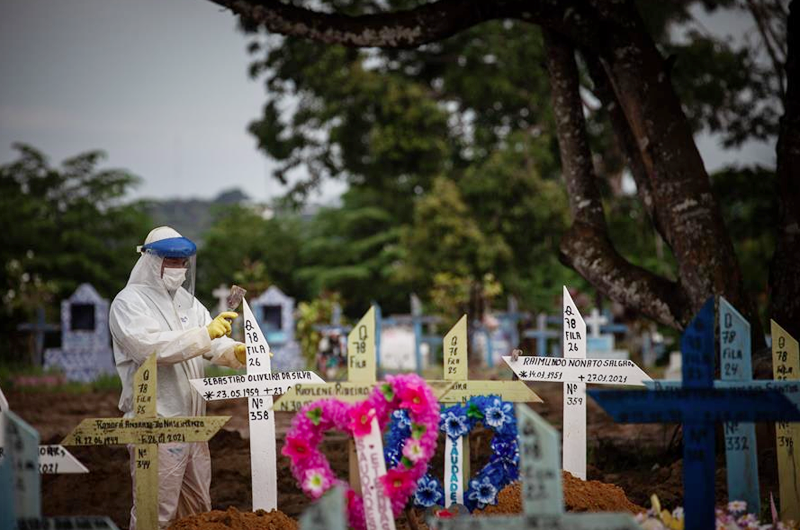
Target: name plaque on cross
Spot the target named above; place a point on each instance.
(698, 404)
(786, 367)
(145, 430)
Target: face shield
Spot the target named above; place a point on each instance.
(174, 262)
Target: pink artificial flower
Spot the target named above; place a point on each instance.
(413, 451)
(413, 397)
(361, 417)
(396, 482)
(316, 482)
(296, 448)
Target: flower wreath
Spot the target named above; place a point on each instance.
(456, 421)
(311, 468)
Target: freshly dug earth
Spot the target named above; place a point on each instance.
(233, 519)
(579, 496)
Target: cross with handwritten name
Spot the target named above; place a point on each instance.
(698, 405)
(145, 431)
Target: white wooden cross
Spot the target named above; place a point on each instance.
(259, 386)
(542, 491)
(595, 321)
(146, 430)
(221, 293)
(52, 458)
(574, 371)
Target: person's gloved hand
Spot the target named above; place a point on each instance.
(239, 350)
(221, 325)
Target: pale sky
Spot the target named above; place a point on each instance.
(162, 87)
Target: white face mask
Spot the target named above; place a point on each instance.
(173, 278)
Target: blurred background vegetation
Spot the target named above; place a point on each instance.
(453, 173)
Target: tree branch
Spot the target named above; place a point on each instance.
(640, 171)
(586, 246)
(590, 252)
(414, 27)
(765, 30)
(573, 141)
(400, 29)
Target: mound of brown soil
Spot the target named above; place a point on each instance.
(579, 496)
(233, 519)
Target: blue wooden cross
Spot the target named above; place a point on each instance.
(612, 327)
(418, 319)
(698, 405)
(39, 329)
(541, 334)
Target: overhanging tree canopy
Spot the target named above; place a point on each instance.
(633, 81)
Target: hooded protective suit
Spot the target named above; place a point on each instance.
(146, 318)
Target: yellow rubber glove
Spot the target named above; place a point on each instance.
(221, 325)
(240, 350)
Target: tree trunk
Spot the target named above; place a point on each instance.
(784, 278)
(586, 247)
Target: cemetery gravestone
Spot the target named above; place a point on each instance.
(423, 340)
(274, 312)
(145, 431)
(601, 345)
(786, 367)
(573, 372)
(52, 458)
(698, 406)
(397, 348)
(740, 438)
(458, 388)
(542, 491)
(541, 334)
(39, 329)
(574, 393)
(20, 497)
(221, 293)
(328, 512)
(258, 387)
(85, 352)
(361, 375)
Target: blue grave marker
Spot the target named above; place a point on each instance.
(698, 405)
(740, 438)
(541, 334)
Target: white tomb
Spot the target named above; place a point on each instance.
(85, 352)
(274, 312)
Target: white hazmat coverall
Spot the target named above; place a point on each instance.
(144, 319)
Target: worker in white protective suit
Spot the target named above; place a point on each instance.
(158, 313)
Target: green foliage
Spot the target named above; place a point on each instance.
(243, 247)
(309, 314)
(63, 226)
(747, 198)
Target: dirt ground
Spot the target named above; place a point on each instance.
(640, 459)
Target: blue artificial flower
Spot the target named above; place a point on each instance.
(482, 492)
(505, 449)
(455, 425)
(498, 413)
(429, 492)
(401, 419)
(399, 431)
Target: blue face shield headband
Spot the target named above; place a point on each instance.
(173, 247)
